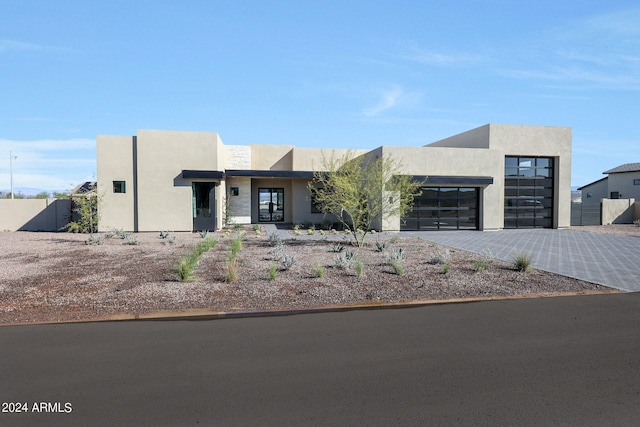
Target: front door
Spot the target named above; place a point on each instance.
(204, 217)
(271, 201)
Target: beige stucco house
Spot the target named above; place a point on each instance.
(615, 195)
(489, 178)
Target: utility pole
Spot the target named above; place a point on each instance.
(11, 158)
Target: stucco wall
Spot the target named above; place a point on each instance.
(34, 214)
(623, 183)
(271, 157)
(448, 161)
(115, 163)
(618, 211)
(164, 197)
(474, 138)
(544, 141)
(595, 192)
(313, 159)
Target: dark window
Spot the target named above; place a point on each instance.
(234, 191)
(636, 182)
(119, 187)
(615, 195)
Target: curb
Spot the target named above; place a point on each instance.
(203, 314)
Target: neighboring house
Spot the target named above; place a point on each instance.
(615, 194)
(623, 182)
(489, 178)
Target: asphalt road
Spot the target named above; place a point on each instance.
(554, 361)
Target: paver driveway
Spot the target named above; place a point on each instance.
(605, 259)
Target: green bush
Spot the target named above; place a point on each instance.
(522, 262)
(187, 263)
(273, 272)
(318, 270)
(398, 268)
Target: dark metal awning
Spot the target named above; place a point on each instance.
(471, 181)
(200, 174)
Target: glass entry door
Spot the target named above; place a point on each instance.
(203, 205)
(271, 202)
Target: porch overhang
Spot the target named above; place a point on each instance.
(469, 181)
(202, 174)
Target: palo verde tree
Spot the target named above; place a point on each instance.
(85, 210)
(361, 191)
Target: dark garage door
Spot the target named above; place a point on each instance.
(444, 208)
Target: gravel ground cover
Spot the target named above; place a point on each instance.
(53, 277)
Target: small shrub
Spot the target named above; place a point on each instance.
(273, 272)
(255, 227)
(203, 233)
(446, 267)
(318, 270)
(278, 251)
(236, 247)
(441, 258)
(636, 222)
(358, 266)
(522, 262)
(185, 269)
(394, 239)
(342, 262)
(131, 240)
(232, 271)
(322, 232)
(381, 246)
(114, 232)
(349, 255)
(296, 227)
(310, 231)
(485, 260)
(164, 234)
(187, 263)
(398, 268)
(288, 260)
(337, 248)
(95, 240)
(237, 227)
(396, 255)
(274, 239)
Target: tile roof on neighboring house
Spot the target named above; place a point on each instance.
(627, 167)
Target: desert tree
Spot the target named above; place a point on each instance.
(86, 210)
(362, 191)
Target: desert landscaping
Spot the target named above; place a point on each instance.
(59, 277)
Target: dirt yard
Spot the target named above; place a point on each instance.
(51, 277)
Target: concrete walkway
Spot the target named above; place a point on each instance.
(605, 259)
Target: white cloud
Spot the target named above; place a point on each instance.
(602, 52)
(20, 46)
(391, 99)
(412, 52)
(47, 164)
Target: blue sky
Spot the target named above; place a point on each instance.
(355, 74)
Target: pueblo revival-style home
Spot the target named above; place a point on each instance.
(489, 178)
